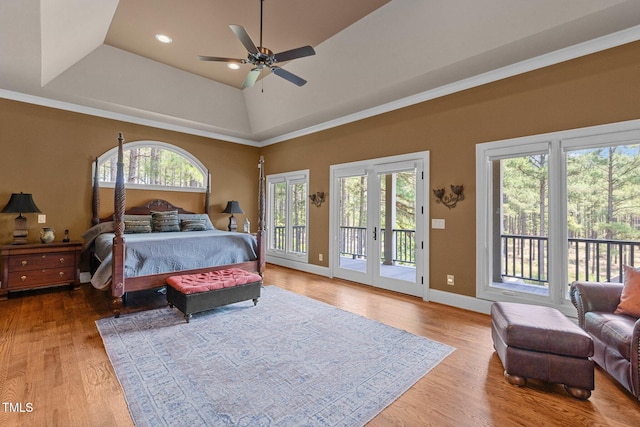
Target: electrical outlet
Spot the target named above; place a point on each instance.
(320, 257)
(42, 219)
(450, 280)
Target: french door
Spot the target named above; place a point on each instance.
(378, 223)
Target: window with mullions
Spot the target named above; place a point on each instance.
(154, 165)
(287, 203)
(556, 208)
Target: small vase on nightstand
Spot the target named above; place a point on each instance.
(47, 235)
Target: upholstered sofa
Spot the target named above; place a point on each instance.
(616, 337)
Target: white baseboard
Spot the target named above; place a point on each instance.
(302, 266)
(460, 301)
(85, 277)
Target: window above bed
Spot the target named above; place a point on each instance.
(154, 165)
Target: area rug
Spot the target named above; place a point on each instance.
(289, 361)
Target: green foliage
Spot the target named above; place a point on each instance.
(353, 200)
(603, 193)
(154, 166)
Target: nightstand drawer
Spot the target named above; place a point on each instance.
(52, 276)
(41, 261)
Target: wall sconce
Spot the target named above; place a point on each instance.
(452, 199)
(317, 199)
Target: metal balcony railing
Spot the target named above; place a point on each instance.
(353, 242)
(298, 240)
(527, 258)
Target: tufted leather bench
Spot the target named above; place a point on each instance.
(193, 293)
(542, 343)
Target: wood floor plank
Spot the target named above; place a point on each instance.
(52, 356)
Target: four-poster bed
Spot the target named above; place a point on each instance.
(122, 277)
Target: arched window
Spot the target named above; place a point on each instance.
(154, 165)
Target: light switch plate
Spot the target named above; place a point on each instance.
(437, 223)
(42, 218)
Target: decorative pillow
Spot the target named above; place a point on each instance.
(128, 217)
(192, 225)
(630, 298)
(137, 226)
(203, 217)
(165, 221)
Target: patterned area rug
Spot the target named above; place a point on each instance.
(289, 361)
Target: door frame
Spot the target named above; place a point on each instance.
(422, 214)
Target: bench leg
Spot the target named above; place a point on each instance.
(255, 301)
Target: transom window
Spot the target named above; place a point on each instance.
(154, 165)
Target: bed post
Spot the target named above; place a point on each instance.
(206, 196)
(117, 262)
(95, 202)
(261, 219)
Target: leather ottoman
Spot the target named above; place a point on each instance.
(541, 343)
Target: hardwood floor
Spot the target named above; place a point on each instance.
(54, 370)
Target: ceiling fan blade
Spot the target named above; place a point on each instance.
(251, 78)
(299, 52)
(219, 59)
(244, 38)
(299, 81)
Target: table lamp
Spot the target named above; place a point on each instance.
(20, 203)
(233, 207)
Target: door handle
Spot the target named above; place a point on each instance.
(375, 233)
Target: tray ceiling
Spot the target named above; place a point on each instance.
(102, 58)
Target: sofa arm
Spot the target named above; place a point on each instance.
(595, 296)
(635, 360)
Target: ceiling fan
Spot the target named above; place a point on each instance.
(261, 57)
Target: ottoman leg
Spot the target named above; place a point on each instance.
(578, 393)
(515, 379)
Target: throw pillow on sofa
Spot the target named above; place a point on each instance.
(630, 298)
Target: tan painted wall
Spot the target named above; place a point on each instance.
(598, 89)
(49, 152)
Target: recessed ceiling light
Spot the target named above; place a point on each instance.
(163, 38)
(233, 66)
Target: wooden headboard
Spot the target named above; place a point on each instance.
(157, 205)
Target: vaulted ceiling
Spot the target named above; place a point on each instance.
(101, 57)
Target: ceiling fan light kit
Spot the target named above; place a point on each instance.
(261, 57)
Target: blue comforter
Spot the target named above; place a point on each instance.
(153, 253)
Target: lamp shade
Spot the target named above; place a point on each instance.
(21, 203)
(233, 207)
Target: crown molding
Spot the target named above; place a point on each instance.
(562, 55)
(128, 118)
(572, 52)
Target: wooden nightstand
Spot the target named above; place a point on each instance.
(39, 265)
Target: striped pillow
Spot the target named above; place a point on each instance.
(165, 221)
(137, 226)
(192, 225)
